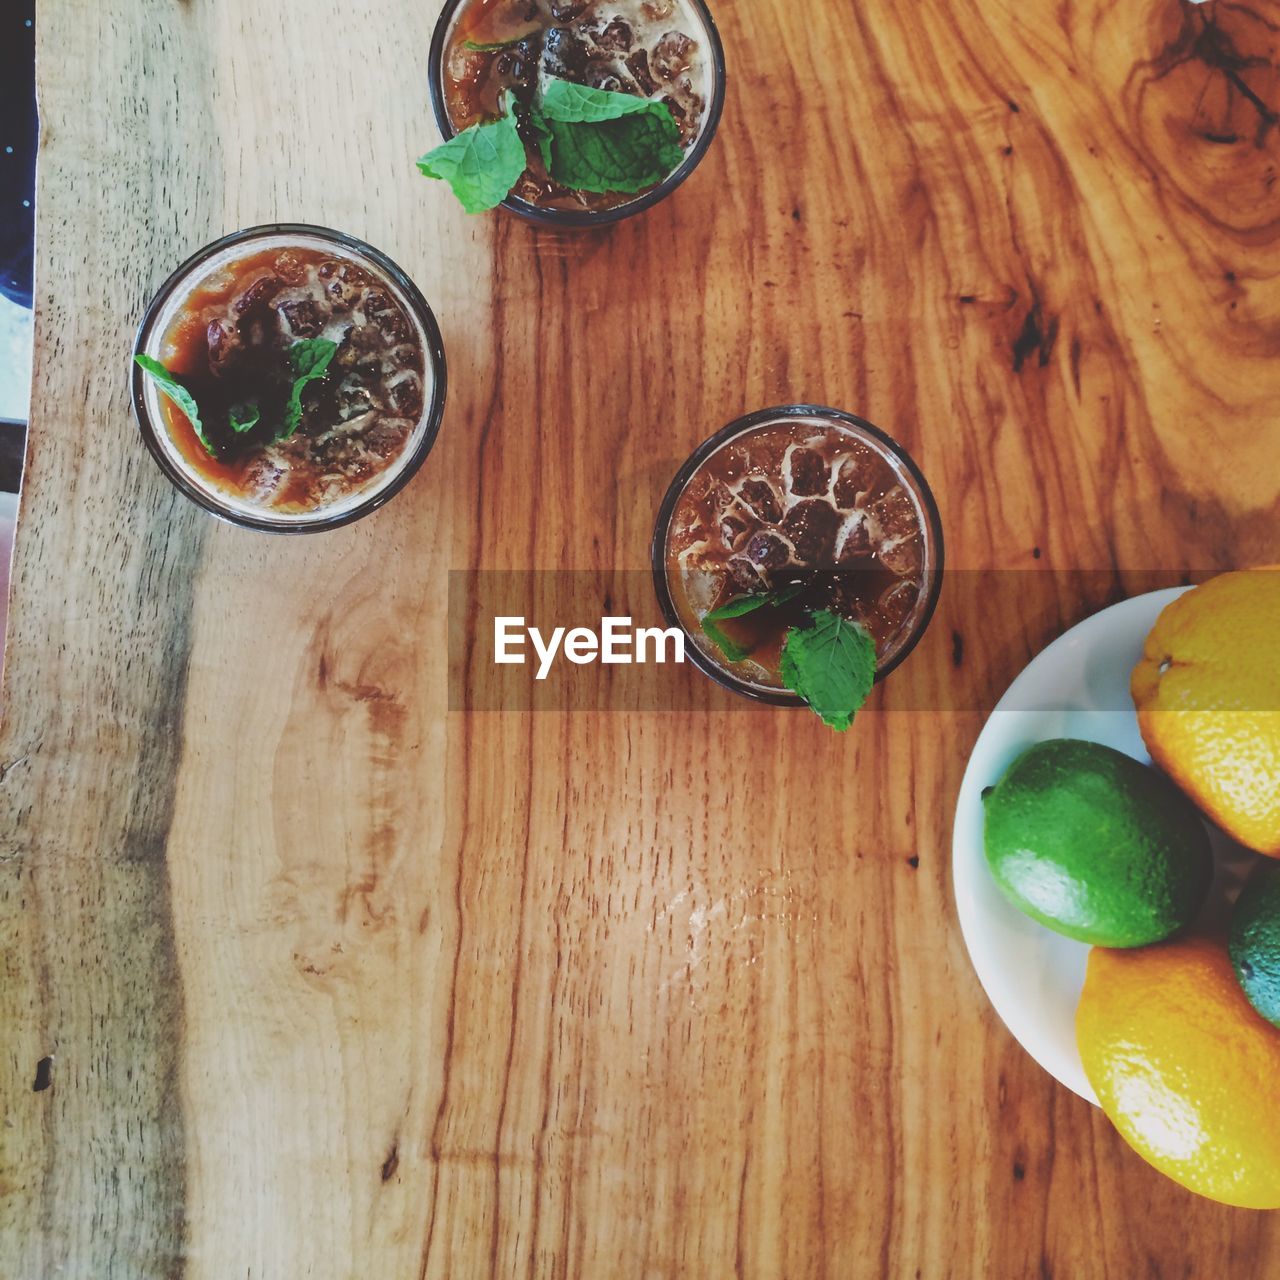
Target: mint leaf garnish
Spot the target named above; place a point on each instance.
(481, 163)
(244, 417)
(540, 127)
(310, 360)
(626, 154)
(831, 665)
(734, 652)
(605, 141)
(493, 46)
(740, 608)
(310, 356)
(749, 604)
(482, 46)
(787, 668)
(570, 103)
(170, 387)
(590, 139)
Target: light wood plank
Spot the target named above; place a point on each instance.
(340, 982)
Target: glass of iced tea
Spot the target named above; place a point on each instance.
(289, 378)
(812, 512)
(488, 54)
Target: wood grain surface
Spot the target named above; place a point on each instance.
(304, 974)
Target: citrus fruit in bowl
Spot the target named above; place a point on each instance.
(1096, 845)
(1207, 693)
(1255, 941)
(1184, 1067)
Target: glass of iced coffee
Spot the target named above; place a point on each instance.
(611, 104)
(791, 536)
(289, 378)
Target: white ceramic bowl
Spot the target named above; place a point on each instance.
(1077, 688)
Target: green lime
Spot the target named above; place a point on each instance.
(1255, 941)
(1097, 846)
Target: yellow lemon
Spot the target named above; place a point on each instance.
(1208, 697)
(1185, 1068)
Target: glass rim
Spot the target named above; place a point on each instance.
(740, 426)
(433, 350)
(583, 218)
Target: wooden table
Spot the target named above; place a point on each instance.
(316, 977)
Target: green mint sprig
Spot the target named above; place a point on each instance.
(540, 127)
(310, 359)
(831, 664)
(592, 140)
(570, 103)
(627, 154)
(604, 141)
(826, 659)
(739, 609)
(493, 46)
(169, 386)
(244, 417)
(481, 163)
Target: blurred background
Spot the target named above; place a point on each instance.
(17, 201)
(15, 362)
(17, 220)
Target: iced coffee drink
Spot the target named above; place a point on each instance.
(791, 516)
(289, 378)
(573, 110)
